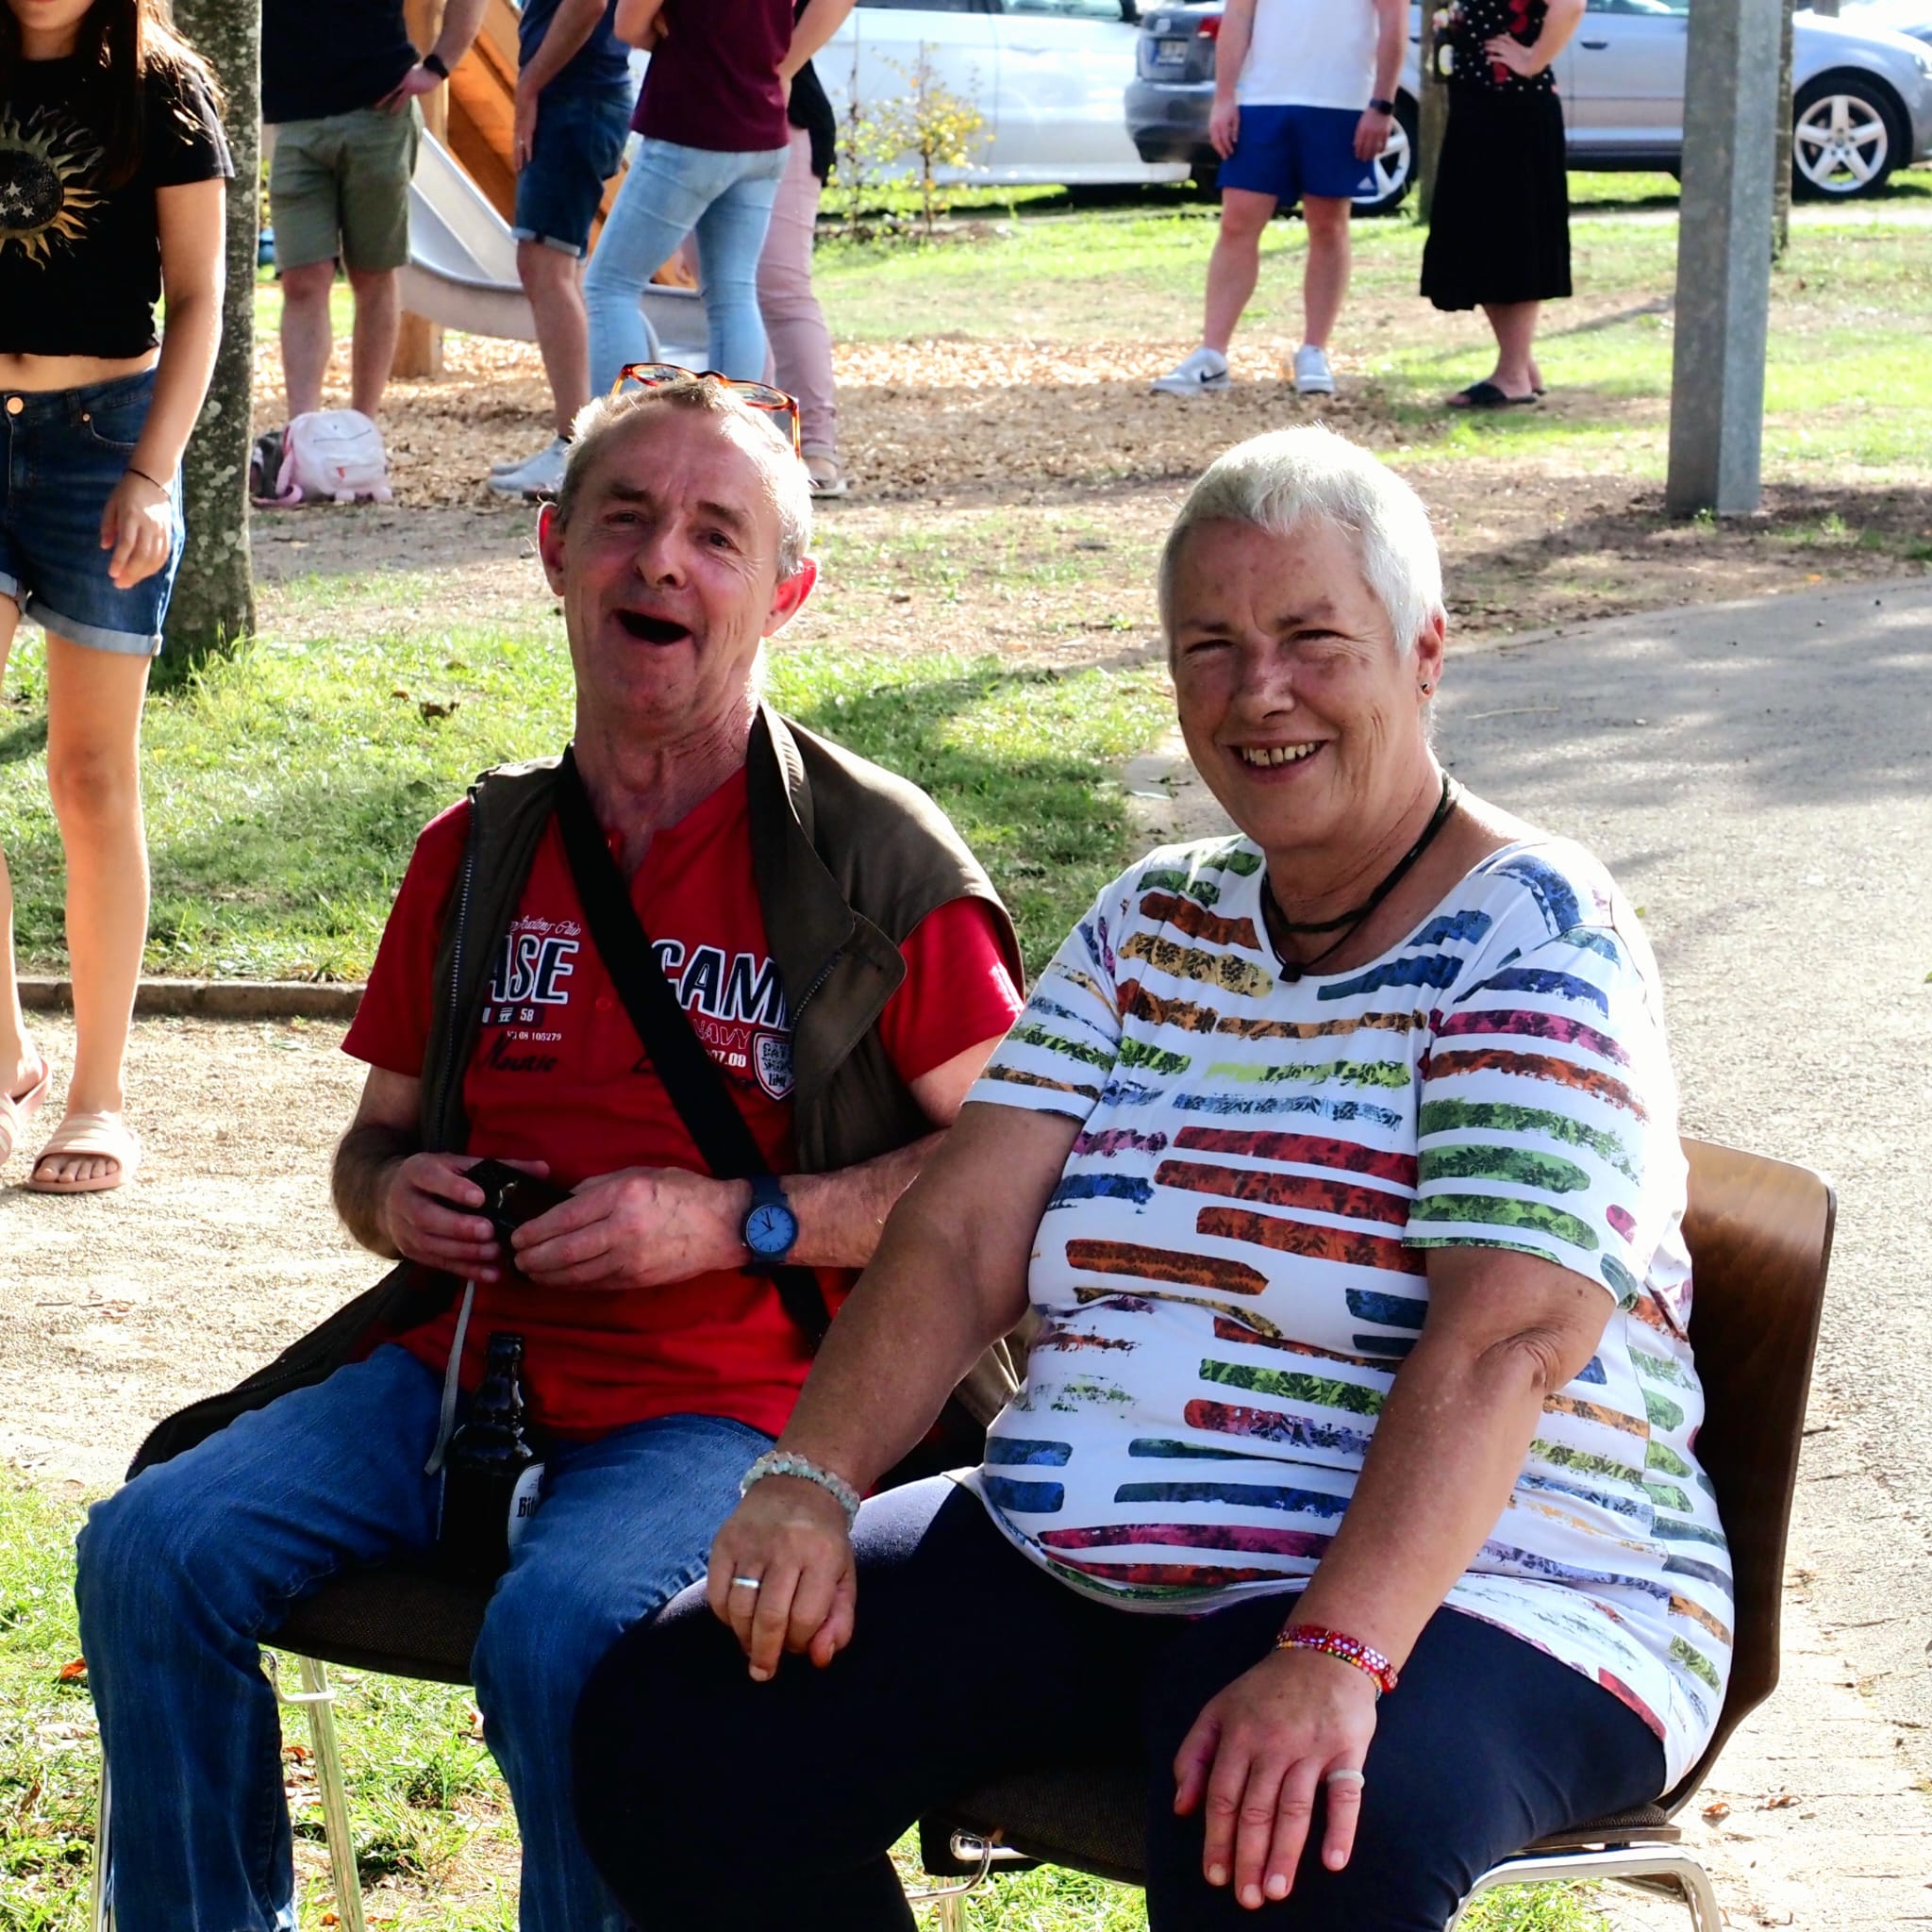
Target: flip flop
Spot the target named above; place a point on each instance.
(1486, 396)
(16, 1111)
(105, 1135)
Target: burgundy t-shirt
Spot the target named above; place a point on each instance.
(713, 78)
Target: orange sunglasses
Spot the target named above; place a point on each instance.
(761, 395)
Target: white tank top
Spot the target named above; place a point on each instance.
(1310, 53)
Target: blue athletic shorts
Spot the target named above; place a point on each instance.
(579, 143)
(62, 453)
(1289, 152)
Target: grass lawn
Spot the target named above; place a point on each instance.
(435, 1840)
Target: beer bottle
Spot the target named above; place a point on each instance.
(492, 1474)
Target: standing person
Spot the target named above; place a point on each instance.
(339, 86)
(1499, 229)
(801, 342)
(715, 146)
(1304, 101)
(573, 104)
(112, 169)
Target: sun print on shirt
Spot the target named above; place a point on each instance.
(46, 165)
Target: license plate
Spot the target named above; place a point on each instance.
(1170, 53)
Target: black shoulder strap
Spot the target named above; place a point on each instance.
(690, 1075)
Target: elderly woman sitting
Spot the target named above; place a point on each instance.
(1351, 1487)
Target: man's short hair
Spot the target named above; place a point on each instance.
(1270, 482)
(785, 477)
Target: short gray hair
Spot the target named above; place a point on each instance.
(1271, 482)
(785, 477)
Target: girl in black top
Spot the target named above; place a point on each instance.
(1499, 228)
(111, 167)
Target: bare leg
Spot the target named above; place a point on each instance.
(19, 1065)
(1234, 266)
(378, 324)
(1325, 281)
(1514, 323)
(306, 334)
(554, 281)
(94, 775)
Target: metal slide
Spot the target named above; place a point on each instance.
(463, 270)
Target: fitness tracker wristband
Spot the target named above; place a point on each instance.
(433, 60)
(1379, 106)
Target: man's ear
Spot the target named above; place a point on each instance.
(787, 600)
(1430, 648)
(550, 545)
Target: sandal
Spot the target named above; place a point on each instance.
(17, 1109)
(106, 1136)
(1486, 396)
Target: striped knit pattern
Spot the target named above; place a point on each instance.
(1233, 1265)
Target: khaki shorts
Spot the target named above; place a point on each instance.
(341, 186)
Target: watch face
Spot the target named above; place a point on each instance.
(771, 1229)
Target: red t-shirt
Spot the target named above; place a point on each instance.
(713, 78)
(558, 1076)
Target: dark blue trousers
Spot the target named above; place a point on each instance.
(708, 1800)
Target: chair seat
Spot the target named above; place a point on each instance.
(1092, 1816)
(400, 1620)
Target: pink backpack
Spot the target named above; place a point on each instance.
(334, 456)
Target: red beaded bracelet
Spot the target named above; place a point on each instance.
(1351, 1650)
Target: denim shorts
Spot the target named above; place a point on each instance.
(64, 450)
(579, 143)
(1290, 151)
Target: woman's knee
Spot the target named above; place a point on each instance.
(96, 787)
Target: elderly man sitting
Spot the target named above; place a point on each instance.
(846, 965)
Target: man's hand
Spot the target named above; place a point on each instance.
(1509, 52)
(522, 135)
(1372, 133)
(639, 1227)
(791, 1536)
(422, 1199)
(419, 80)
(1258, 1754)
(1223, 126)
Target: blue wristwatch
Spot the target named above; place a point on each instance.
(770, 1229)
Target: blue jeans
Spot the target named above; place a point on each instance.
(183, 1572)
(669, 191)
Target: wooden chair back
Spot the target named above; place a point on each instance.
(1759, 1235)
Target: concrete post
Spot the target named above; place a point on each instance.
(1723, 256)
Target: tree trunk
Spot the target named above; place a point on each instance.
(213, 607)
(1781, 207)
(1432, 115)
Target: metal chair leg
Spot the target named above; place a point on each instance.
(102, 1904)
(315, 1692)
(1667, 1870)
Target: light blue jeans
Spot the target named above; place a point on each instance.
(186, 1568)
(669, 191)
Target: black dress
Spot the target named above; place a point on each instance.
(1499, 229)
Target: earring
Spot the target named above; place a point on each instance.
(1428, 688)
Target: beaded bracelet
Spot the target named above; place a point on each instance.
(782, 1463)
(1351, 1650)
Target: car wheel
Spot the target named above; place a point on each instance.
(1845, 138)
(1396, 165)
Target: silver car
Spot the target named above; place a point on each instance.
(1862, 96)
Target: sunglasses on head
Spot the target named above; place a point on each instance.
(760, 395)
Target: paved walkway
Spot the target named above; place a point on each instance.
(1758, 776)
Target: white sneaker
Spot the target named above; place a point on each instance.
(539, 475)
(1203, 373)
(1312, 374)
(503, 465)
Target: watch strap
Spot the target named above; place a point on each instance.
(434, 61)
(1379, 106)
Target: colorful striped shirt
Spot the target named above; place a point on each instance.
(1232, 1266)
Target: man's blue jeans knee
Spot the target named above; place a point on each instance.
(670, 191)
(183, 1571)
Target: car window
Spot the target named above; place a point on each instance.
(1070, 9)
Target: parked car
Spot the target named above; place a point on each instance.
(1050, 78)
(1862, 104)
(1911, 17)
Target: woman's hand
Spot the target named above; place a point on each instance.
(137, 526)
(1258, 1753)
(789, 1537)
(1507, 52)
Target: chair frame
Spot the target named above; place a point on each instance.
(1647, 1856)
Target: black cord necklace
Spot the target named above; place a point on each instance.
(1279, 925)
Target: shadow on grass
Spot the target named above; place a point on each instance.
(23, 740)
